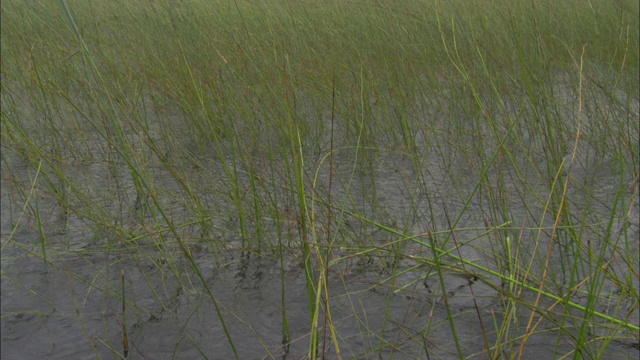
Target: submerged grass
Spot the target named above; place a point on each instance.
(423, 141)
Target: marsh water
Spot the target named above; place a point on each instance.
(62, 270)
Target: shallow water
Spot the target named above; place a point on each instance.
(69, 308)
(63, 300)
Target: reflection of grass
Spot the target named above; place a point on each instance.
(260, 127)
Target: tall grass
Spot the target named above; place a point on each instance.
(495, 142)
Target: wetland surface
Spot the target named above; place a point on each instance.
(339, 180)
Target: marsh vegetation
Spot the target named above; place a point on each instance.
(320, 179)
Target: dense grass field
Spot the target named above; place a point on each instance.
(419, 141)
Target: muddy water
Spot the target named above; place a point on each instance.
(384, 304)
